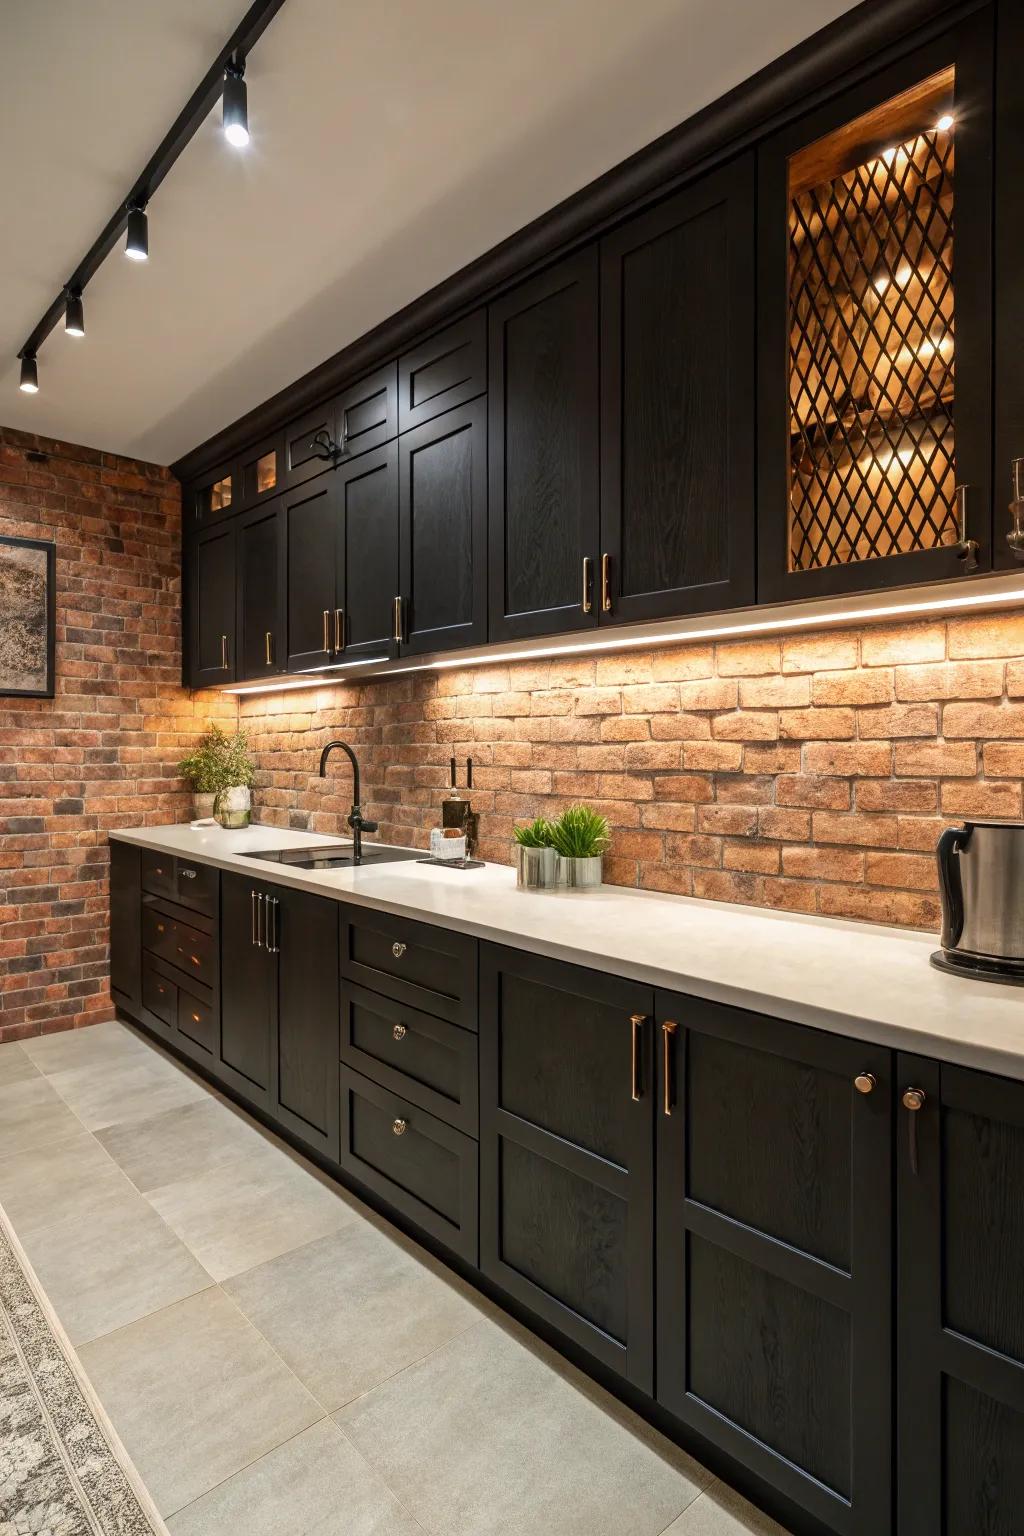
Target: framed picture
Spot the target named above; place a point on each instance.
(28, 602)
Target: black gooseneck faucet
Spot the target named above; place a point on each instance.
(356, 820)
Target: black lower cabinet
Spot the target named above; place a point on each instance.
(126, 924)
(248, 990)
(961, 1301)
(566, 1152)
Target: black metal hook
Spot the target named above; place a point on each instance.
(325, 447)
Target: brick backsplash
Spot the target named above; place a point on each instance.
(103, 752)
(811, 773)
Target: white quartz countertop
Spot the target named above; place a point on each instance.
(858, 979)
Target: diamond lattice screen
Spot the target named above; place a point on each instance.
(871, 347)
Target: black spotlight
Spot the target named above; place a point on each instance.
(29, 374)
(236, 109)
(136, 243)
(74, 313)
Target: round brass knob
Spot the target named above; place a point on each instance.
(864, 1082)
(913, 1098)
(399, 1127)
(398, 950)
(399, 1032)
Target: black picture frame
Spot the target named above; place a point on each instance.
(49, 550)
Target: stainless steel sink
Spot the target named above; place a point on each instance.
(335, 856)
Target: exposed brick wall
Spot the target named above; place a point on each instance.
(812, 773)
(103, 752)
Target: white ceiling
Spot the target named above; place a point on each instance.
(391, 144)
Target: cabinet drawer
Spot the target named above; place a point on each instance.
(425, 1169)
(197, 886)
(428, 1061)
(197, 1021)
(445, 371)
(159, 995)
(186, 948)
(158, 874)
(427, 967)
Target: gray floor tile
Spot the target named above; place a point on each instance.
(181, 1143)
(350, 1310)
(484, 1438)
(44, 1184)
(315, 1485)
(33, 1114)
(196, 1395)
(720, 1511)
(92, 1043)
(109, 1092)
(15, 1064)
(242, 1213)
(112, 1264)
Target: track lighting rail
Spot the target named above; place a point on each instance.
(202, 101)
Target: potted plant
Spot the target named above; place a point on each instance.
(580, 838)
(221, 773)
(535, 856)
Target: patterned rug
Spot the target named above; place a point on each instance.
(63, 1471)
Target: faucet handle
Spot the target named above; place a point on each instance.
(369, 826)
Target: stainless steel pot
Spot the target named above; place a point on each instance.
(981, 883)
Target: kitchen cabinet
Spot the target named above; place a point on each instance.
(1009, 290)
(567, 1154)
(312, 536)
(875, 303)
(447, 370)
(542, 446)
(363, 416)
(125, 925)
(774, 1168)
(442, 596)
(212, 497)
(677, 404)
(248, 987)
(960, 1158)
(261, 471)
(260, 620)
(213, 607)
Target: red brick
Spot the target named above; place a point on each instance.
(748, 658)
(874, 905)
(787, 826)
(907, 871)
(1003, 759)
(888, 645)
(942, 758)
(866, 685)
(759, 858)
(987, 635)
(857, 829)
(813, 793)
(775, 692)
(823, 863)
(983, 720)
(981, 798)
(894, 720)
(897, 795)
(822, 652)
(951, 680)
(817, 724)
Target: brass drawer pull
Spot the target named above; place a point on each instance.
(606, 583)
(398, 1032)
(588, 585)
(399, 1127)
(268, 648)
(398, 950)
(865, 1082)
(339, 629)
(224, 653)
(636, 1021)
(913, 1099)
(327, 630)
(396, 628)
(668, 1031)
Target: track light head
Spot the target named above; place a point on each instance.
(136, 244)
(236, 108)
(74, 313)
(29, 374)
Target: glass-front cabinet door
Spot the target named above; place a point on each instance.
(875, 294)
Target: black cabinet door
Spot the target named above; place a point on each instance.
(677, 404)
(367, 555)
(443, 372)
(304, 929)
(542, 445)
(774, 1270)
(875, 327)
(212, 607)
(960, 1312)
(312, 536)
(1009, 288)
(367, 412)
(126, 924)
(566, 1151)
(443, 534)
(248, 988)
(260, 545)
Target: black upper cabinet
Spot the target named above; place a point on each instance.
(367, 554)
(774, 1268)
(443, 532)
(1009, 288)
(874, 323)
(212, 609)
(542, 446)
(311, 543)
(566, 1151)
(214, 496)
(260, 547)
(443, 372)
(961, 1302)
(677, 404)
(261, 471)
(362, 417)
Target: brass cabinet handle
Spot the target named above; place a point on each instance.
(913, 1099)
(268, 648)
(398, 950)
(396, 629)
(606, 583)
(255, 920)
(668, 1032)
(339, 629)
(967, 551)
(272, 946)
(399, 1127)
(636, 1021)
(588, 585)
(327, 630)
(224, 652)
(864, 1082)
(398, 1032)
(1015, 537)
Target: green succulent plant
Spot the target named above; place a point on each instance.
(536, 835)
(218, 762)
(580, 833)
